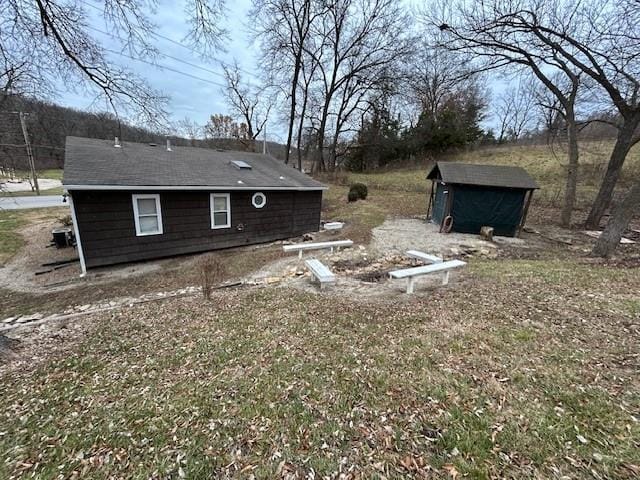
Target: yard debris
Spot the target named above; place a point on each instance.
(596, 234)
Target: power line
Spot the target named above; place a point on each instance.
(171, 40)
(164, 67)
(165, 55)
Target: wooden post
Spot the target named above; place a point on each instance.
(32, 164)
(525, 212)
(445, 278)
(430, 202)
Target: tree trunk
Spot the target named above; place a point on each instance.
(622, 215)
(292, 110)
(624, 142)
(321, 131)
(572, 172)
(301, 127)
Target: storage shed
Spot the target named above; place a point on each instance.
(133, 201)
(466, 197)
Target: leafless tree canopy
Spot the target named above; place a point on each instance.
(249, 102)
(44, 43)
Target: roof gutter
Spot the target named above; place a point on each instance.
(190, 187)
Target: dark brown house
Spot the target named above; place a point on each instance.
(132, 201)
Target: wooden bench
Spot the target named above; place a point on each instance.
(320, 271)
(411, 273)
(300, 247)
(425, 257)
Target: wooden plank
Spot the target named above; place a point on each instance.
(317, 246)
(424, 256)
(320, 271)
(427, 269)
(596, 234)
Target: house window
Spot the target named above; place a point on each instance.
(220, 210)
(147, 214)
(259, 200)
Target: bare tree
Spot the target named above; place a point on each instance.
(45, 43)
(251, 104)
(283, 29)
(359, 39)
(515, 109)
(307, 75)
(190, 130)
(434, 74)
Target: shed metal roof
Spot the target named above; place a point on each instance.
(97, 163)
(483, 175)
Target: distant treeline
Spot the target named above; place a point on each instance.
(48, 125)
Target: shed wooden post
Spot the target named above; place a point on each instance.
(525, 212)
(430, 202)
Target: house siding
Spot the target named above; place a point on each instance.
(107, 229)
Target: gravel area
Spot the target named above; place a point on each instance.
(398, 235)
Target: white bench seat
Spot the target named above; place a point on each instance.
(300, 247)
(320, 271)
(411, 273)
(425, 257)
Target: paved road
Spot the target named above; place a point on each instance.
(16, 203)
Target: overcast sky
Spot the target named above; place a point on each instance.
(188, 96)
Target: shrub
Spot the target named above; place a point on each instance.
(358, 191)
(212, 271)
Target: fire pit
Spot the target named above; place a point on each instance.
(375, 276)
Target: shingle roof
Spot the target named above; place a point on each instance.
(93, 162)
(483, 175)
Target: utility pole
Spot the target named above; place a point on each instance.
(264, 140)
(32, 164)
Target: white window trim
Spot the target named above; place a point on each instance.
(228, 210)
(136, 216)
(253, 199)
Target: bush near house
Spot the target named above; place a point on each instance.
(358, 191)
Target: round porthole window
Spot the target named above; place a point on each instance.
(259, 200)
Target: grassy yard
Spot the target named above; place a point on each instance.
(521, 369)
(10, 222)
(526, 370)
(52, 173)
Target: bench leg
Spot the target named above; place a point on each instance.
(410, 284)
(445, 278)
(300, 254)
(331, 249)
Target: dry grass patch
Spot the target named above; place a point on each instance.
(530, 374)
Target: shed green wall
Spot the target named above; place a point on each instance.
(474, 207)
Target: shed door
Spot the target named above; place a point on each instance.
(440, 202)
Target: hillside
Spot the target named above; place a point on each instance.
(545, 163)
(49, 124)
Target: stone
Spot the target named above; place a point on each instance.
(270, 280)
(84, 308)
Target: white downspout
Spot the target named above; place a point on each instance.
(83, 266)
